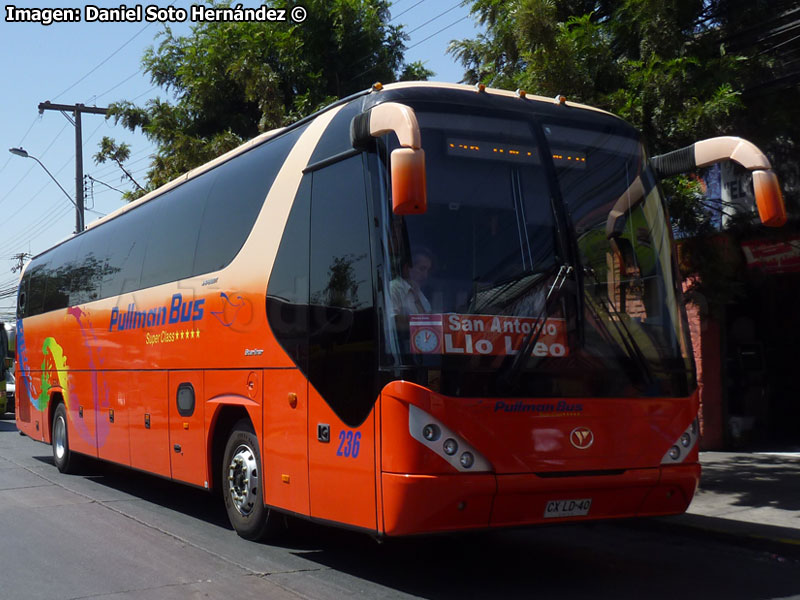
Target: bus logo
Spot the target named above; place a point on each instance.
(581, 438)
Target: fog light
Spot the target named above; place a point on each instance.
(674, 453)
(450, 446)
(431, 432)
(467, 460)
(686, 440)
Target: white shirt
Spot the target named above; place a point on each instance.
(407, 299)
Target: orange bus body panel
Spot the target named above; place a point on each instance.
(188, 456)
(285, 445)
(149, 421)
(533, 461)
(341, 471)
(117, 414)
(432, 503)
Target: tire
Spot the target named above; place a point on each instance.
(243, 486)
(66, 461)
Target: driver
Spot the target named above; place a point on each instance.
(406, 292)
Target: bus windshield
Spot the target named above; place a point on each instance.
(542, 266)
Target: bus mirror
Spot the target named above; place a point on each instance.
(408, 181)
(769, 199)
(407, 161)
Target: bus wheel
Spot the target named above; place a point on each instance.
(66, 461)
(243, 486)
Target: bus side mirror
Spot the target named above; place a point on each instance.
(408, 181)
(769, 199)
(407, 162)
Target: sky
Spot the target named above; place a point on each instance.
(97, 63)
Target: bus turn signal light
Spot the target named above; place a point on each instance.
(769, 199)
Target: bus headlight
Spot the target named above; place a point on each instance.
(450, 446)
(683, 445)
(455, 449)
(431, 432)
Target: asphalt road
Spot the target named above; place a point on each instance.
(111, 533)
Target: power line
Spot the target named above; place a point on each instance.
(8, 160)
(108, 169)
(406, 10)
(41, 155)
(438, 32)
(111, 187)
(368, 69)
(48, 218)
(111, 89)
(105, 60)
(144, 93)
(35, 120)
(440, 15)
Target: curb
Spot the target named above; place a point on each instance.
(782, 541)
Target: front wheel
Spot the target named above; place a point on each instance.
(243, 486)
(66, 461)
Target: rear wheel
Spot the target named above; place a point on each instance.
(243, 486)
(66, 461)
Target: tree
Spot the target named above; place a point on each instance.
(233, 80)
(118, 154)
(646, 60)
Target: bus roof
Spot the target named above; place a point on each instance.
(406, 86)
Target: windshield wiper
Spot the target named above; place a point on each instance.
(626, 339)
(530, 340)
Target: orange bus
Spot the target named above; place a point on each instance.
(428, 307)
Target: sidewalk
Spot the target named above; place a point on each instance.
(753, 496)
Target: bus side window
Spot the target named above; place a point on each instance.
(36, 275)
(172, 238)
(235, 200)
(342, 340)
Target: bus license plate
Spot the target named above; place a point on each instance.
(567, 508)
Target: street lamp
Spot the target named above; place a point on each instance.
(24, 154)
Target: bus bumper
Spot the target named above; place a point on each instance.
(435, 503)
(527, 499)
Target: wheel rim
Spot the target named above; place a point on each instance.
(60, 437)
(243, 479)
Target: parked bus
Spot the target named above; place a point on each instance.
(426, 308)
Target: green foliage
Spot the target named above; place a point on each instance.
(645, 60)
(118, 153)
(230, 81)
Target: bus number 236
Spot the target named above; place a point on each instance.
(349, 443)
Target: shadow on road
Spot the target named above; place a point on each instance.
(752, 479)
(166, 493)
(575, 561)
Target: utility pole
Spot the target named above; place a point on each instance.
(76, 110)
(20, 258)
